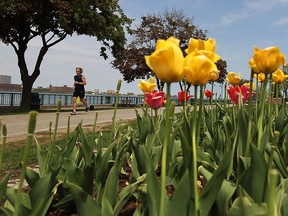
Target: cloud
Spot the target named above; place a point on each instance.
(264, 4)
(250, 8)
(233, 17)
(282, 21)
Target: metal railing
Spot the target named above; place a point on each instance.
(50, 99)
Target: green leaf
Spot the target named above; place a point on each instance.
(224, 195)
(254, 179)
(41, 195)
(244, 206)
(185, 133)
(153, 184)
(111, 186)
(278, 160)
(6, 212)
(31, 176)
(127, 193)
(281, 121)
(208, 121)
(213, 186)
(65, 202)
(144, 125)
(85, 147)
(85, 203)
(282, 197)
(83, 177)
(25, 207)
(41, 157)
(206, 159)
(243, 126)
(101, 163)
(3, 185)
(181, 197)
(139, 156)
(71, 143)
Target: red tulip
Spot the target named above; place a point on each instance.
(209, 94)
(154, 99)
(181, 96)
(234, 93)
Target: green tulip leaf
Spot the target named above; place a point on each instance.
(31, 176)
(3, 185)
(41, 194)
(181, 197)
(85, 203)
(127, 193)
(243, 206)
(211, 190)
(111, 186)
(254, 178)
(25, 206)
(6, 212)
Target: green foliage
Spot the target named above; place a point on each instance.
(234, 175)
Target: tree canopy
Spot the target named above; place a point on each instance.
(222, 67)
(53, 21)
(131, 62)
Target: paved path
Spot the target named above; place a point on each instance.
(17, 125)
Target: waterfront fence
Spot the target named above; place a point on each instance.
(51, 99)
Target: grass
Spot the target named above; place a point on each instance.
(14, 150)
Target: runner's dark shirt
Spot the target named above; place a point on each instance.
(78, 87)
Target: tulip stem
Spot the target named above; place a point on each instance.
(277, 98)
(225, 96)
(260, 121)
(211, 111)
(4, 137)
(52, 144)
(115, 109)
(164, 152)
(256, 99)
(200, 112)
(185, 99)
(250, 116)
(194, 152)
(31, 129)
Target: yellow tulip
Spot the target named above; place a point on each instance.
(278, 76)
(259, 77)
(214, 75)
(167, 60)
(233, 79)
(248, 85)
(146, 86)
(207, 48)
(267, 60)
(198, 69)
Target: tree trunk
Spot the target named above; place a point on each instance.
(26, 94)
(27, 80)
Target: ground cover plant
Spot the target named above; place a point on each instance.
(217, 159)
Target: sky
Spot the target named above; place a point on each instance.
(237, 26)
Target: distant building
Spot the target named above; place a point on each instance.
(10, 87)
(110, 91)
(130, 93)
(60, 89)
(5, 79)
